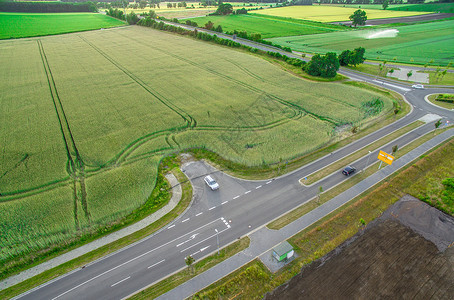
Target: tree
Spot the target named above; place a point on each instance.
(324, 66)
(142, 4)
(169, 5)
(218, 29)
(224, 9)
(409, 74)
(132, 18)
(344, 58)
(189, 261)
(395, 148)
(209, 25)
(385, 4)
(354, 57)
(358, 17)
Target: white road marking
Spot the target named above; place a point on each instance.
(120, 281)
(199, 214)
(190, 239)
(132, 259)
(236, 197)
(201, 250)
(224, 202)
(258, 187)
(156, 264)
(185, 220)
(247, 192)
(392, 85)
(204, 240)
(212, 208)
(171, 226)
(268, 182)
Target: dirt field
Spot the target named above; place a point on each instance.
(408, 253)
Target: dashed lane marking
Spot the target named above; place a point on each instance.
(258, 187)
(212, 208)
(171, 226)
(224, 202)
(247, 192)
(268, 182)
(156, 264)
(199, 214)
(120, 281)
(185, 220)
(236, 197)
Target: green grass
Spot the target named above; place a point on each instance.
(254, 280)
(267, 26)
(161, 192)
(433, 99)
(129, 97)
(428, 7)
(418, 43)
(19, 25)
(329, 13)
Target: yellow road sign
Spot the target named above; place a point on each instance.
(385, 157)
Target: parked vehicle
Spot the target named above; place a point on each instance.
(211, 183)
(348, 170)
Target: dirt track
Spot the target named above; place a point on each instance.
(385, 260)
(412, 19)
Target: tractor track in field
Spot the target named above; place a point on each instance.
(191, 122)
(240, 83)
(75, 165)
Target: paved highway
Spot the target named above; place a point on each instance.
(235, 210)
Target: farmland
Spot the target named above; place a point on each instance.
(429, 7)
(267, 26)
(87, 117)
(417, 43)
(324, 13)
(18, 25)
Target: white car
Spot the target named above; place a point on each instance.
(417, 86)
(211, 183)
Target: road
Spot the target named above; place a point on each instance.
(235, 210)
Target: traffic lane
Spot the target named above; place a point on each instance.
(417, 97)
(87, 277)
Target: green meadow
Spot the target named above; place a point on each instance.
(19, 25)
(87, 117)
(267, 26)
(419, 43)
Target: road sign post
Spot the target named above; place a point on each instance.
(385, 157)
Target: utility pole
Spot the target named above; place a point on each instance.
(217, 239)
(367, 161)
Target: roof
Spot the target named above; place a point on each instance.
(283, 248)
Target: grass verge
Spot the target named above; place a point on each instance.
(328, 195)
(314, 177)
(253, 281)
(182, 276)
(432, 99)
(112, 247)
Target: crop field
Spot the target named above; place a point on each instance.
(418, 43)
(268, 26)
(19, 25)
(87, 117)
(325, 13)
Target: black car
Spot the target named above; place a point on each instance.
(348, 170)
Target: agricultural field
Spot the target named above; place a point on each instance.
(419, 43)
(87, 117)
(428, 7)
(328, 13)
(19, 25)
(267, 26)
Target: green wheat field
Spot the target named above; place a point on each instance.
(86, 118)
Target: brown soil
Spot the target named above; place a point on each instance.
(408, 253)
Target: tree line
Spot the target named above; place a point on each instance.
(47, 7)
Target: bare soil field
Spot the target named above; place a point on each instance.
(407, 253)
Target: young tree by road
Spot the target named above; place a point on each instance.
(358, 17)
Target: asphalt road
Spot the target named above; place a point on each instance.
(235, 210)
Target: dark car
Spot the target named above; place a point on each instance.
(348, 170)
